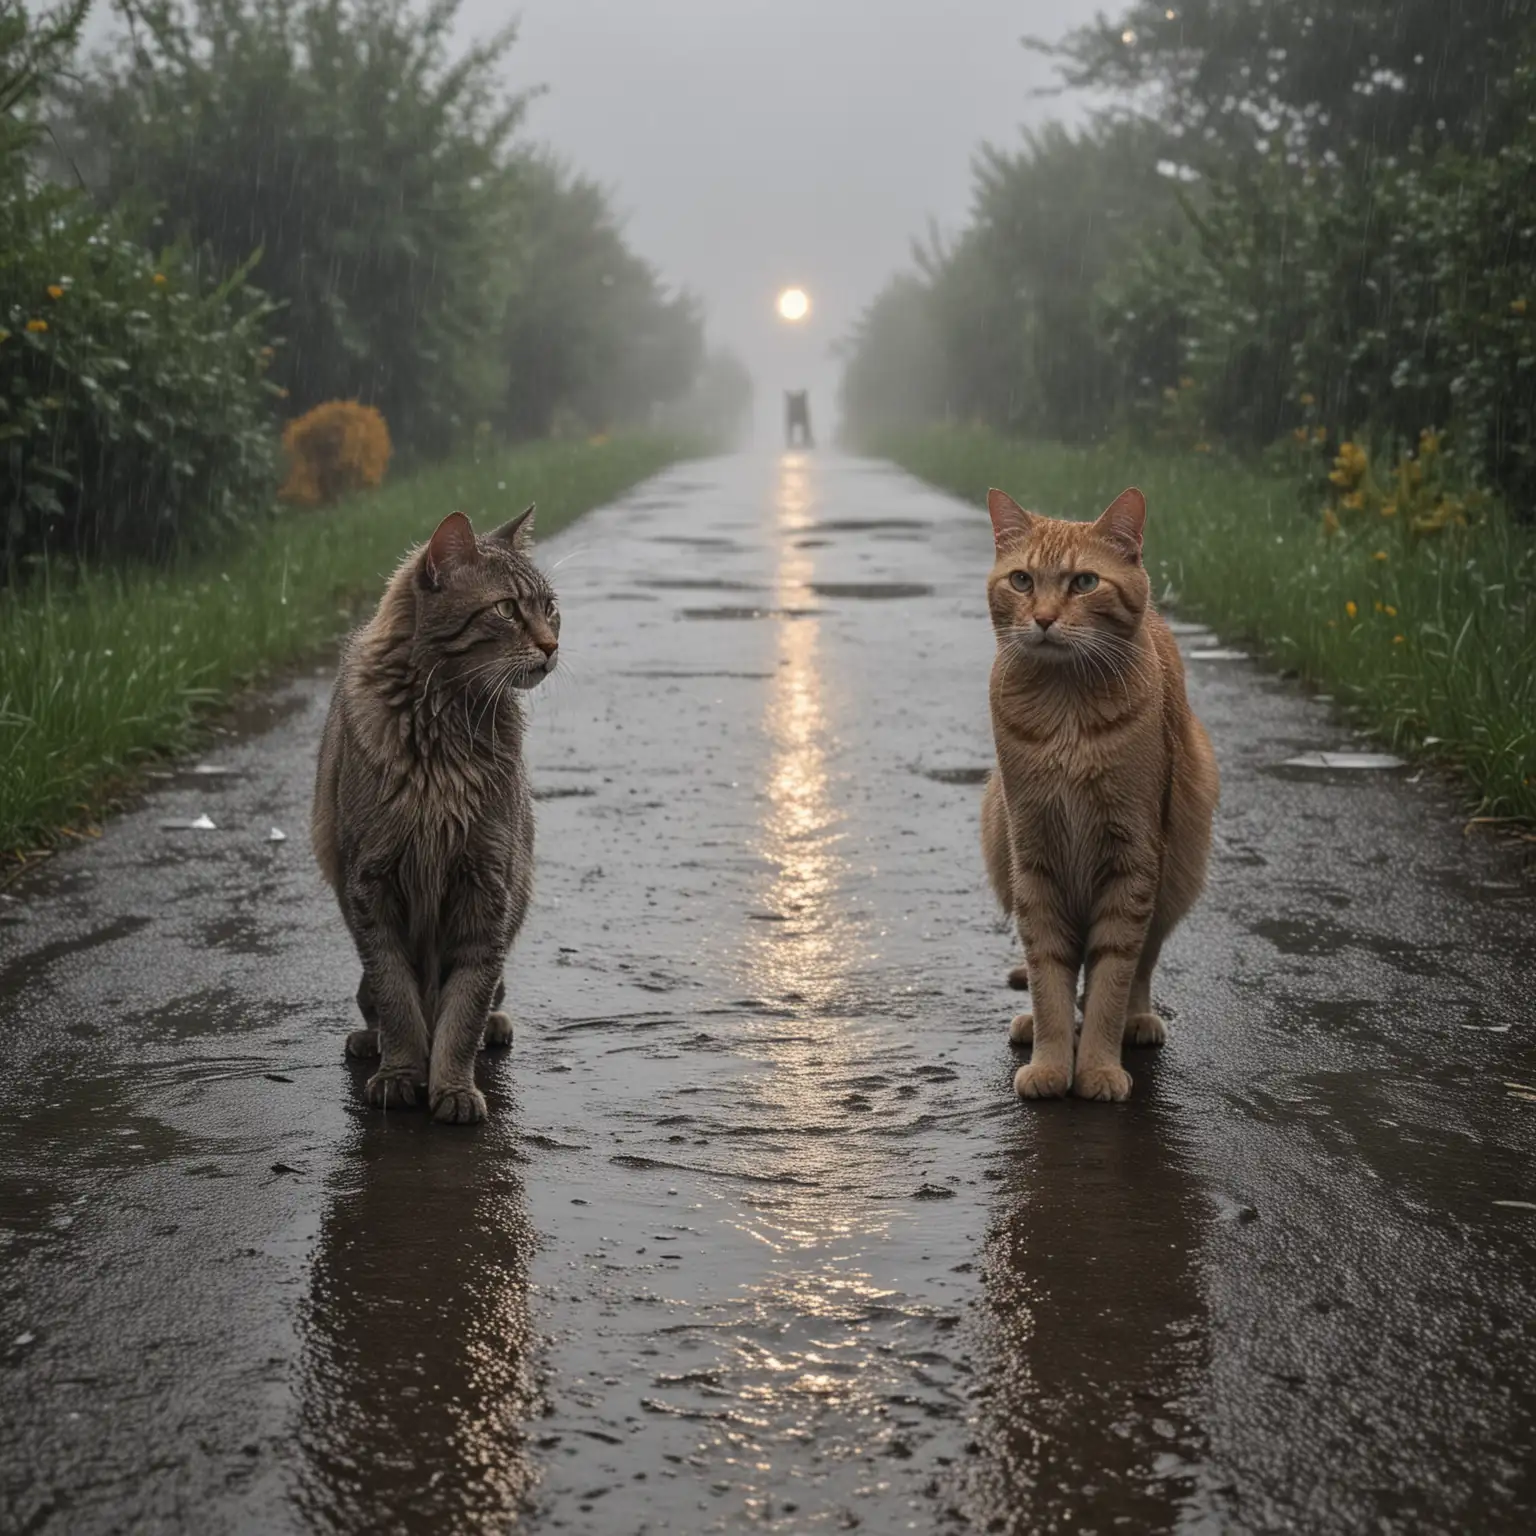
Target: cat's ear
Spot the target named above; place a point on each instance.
(518, 534)
(1010, 522)
(1121, 522)
(451, 546)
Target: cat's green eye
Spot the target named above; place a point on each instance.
(506, 608)
(1022, 581)
(1084, 581)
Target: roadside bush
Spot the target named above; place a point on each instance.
(334, 450)
(134, 417)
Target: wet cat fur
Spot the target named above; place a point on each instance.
(1096, 823)
(423, 822)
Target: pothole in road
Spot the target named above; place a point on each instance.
(750, 613)
(956, 775)
(871, 589)
(676, 674)
(864, 524)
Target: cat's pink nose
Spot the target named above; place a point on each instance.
(549, 647)
(1045, 621)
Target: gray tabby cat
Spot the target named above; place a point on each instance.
(423, 824)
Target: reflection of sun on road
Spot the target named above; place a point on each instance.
(817, 1229)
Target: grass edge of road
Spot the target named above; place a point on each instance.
(1430, 647)
(105, 673)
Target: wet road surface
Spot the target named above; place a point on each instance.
(758, 1237)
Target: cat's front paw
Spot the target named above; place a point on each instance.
(1018, 978)
(498, 1030)
(1105, 1082)
(458, 1106)
(1022, 1030)
(363, 1043)
(394, 1088)
(1145, 1029)
(1039, 1081)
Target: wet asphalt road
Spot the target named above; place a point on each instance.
(758, 1237)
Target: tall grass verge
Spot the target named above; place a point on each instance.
(110, 668)
(1433, 643)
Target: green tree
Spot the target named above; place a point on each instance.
(134, 417)
(369, 167)
(1320, 78)
(591, 332)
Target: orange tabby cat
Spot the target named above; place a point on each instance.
(1097, 823)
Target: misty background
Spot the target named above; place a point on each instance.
(758, 144)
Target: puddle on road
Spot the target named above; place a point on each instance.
(675, 674)
(956, 775)
(864, 524)
(871, 589)
(750, 613)
(1351, 761)
(699, 584)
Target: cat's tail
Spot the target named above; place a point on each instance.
(995, 841)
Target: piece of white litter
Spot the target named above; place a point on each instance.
(277, 835)
(1367, 760)
(1517, 1205)
(22, 1339)
(1219, 653)
(1184, 627)
(204, 823)
(211, 771)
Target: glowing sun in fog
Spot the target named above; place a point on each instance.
(794, 305)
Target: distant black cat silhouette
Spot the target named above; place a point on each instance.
(797, 414)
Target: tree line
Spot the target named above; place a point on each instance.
(1291, 219)
(249, 207)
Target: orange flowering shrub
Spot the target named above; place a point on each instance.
(333, 450)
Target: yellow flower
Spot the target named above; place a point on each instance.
(37, 326)
(1350, 608)
(1429, 442)
(160, 278)
(1517, 306)
(1380, 606)
(5, 335)
(1320, 435)
(1397, 639)
(1389, 610)
(1186, 383)
(1301, 434)
(55, 291)
(266, 351)
(1380, 554)
(1309, 399)
(1202, 447)
(1355, 500)
(1330, 521)
(1389, 509)
(1349, 465)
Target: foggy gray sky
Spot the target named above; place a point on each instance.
(757, 143)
